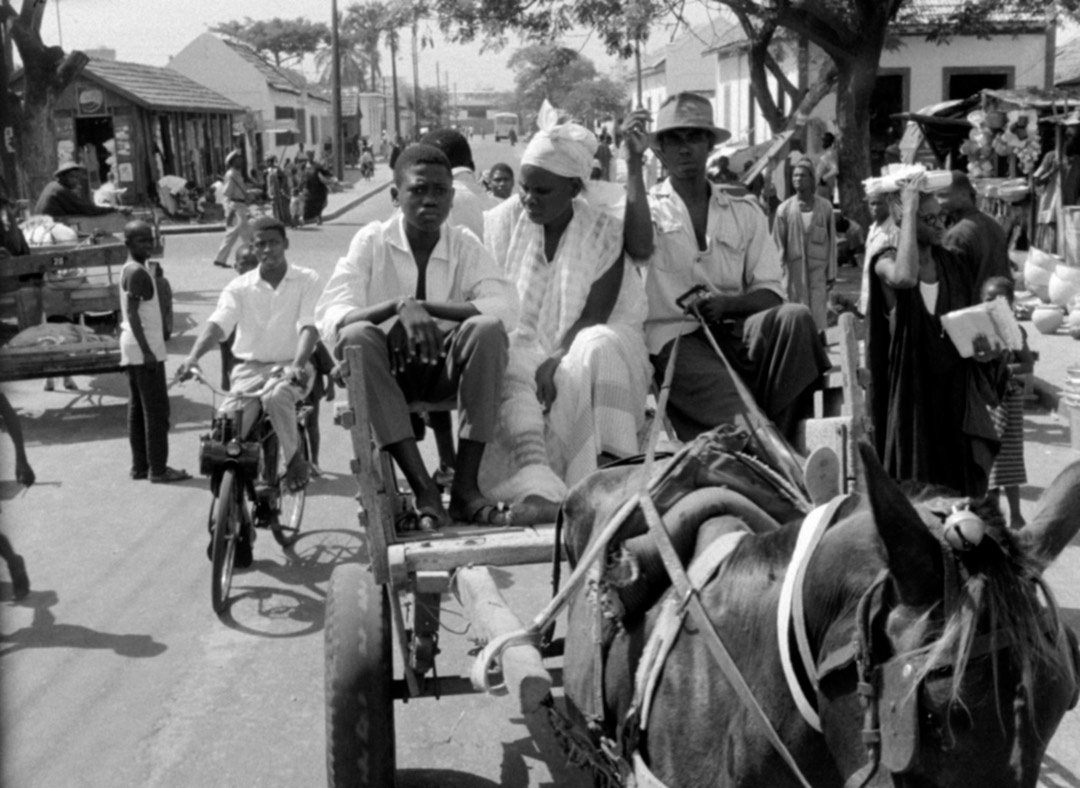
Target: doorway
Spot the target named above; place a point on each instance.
(96, 146)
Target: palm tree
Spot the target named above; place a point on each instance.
(364, 24)
(354, 64)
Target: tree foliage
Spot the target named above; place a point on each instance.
(548, 72)
(280, 39)
(594, 101)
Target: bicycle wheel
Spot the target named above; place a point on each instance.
(227, 524)
(360, 741)
(286, 527)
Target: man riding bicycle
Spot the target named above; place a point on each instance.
(272, 309)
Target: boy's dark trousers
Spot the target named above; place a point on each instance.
(148, 418)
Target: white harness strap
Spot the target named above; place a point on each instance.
(790, 610)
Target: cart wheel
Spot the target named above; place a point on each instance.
(360, 749)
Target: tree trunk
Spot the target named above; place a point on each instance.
(37, 157)
(853, 92)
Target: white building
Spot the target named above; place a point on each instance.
(284, 116)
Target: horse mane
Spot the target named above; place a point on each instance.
(1000, 586)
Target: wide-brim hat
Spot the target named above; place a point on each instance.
(688, 111)
(233, 156)
(67, 166)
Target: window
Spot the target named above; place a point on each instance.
(284, 113)
(964, 82)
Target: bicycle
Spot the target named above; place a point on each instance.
(247, 479)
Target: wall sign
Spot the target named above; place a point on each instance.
(91, 101)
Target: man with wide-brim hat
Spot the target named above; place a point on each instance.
(689, 233)
(61, 199)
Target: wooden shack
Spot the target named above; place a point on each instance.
(136, 123)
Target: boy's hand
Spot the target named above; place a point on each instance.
(187, 367)
(149, 359)
(425, 340)
(984, 351)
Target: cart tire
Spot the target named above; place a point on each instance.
(360, 747)
(223, 545)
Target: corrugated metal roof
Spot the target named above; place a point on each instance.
(1006, 16)
(158, 88)
(277, 78)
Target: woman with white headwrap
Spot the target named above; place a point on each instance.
(578, 373)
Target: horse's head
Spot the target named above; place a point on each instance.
(965, 666)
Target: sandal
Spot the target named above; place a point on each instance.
(170, 475)
(481, 512)
(430, 519)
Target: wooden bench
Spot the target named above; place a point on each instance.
(840, 418)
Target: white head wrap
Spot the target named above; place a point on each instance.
(565, 149)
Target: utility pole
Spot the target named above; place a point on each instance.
(393, 76)
(416, 76)
(335, 88)
(438, 94)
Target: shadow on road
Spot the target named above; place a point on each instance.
(293, 606)
(1052, 432)
(1055, 774)
(443, 778)
(45, 632)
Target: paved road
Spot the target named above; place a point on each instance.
(115, 670)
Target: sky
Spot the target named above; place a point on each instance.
(150, 31)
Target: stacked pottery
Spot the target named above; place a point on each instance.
(1038, 269)
(1047, 318)
(1064, 284)
(1072, 324)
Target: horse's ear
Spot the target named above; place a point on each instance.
(914, 554)
(1058, 518)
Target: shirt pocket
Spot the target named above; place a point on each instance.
(672, 246)
(819, 236)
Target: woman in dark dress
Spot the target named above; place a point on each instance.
(314, 190)
(931, 408)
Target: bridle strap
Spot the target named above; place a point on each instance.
(866, 686)
(790, 611)
(689, 598)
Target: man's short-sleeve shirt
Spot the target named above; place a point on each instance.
(740, 258)
(268, 320)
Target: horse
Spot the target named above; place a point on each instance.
(928, 665)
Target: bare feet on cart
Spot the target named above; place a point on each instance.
(479, 511)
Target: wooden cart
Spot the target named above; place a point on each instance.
(32, 288)
(368, 609)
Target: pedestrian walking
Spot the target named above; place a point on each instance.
(234, 200)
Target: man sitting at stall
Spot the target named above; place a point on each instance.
(429, 310)
(688, 232)
(61, 198)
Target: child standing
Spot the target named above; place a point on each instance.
(142, 354)
(1009, 471)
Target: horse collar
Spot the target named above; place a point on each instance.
(790, 612)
